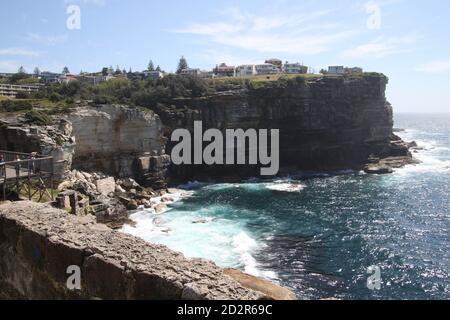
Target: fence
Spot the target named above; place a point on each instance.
(31, 173)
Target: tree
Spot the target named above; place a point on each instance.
(37, 71)
(104, 71)
(151, 66)
(22, 70)
(158, 68)
(117, 71)
(66, 70)
(182, 64)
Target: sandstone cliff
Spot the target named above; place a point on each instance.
(325, 124)
(122, 141)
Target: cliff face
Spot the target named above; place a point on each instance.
(329, 123)
(122, 141)
(325, 124)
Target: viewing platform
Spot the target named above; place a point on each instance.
(27, 174)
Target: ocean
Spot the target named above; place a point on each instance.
(319, 233)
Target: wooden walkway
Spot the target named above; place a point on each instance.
(35, 176)
(11, 174)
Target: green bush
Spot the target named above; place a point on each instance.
(101, 100)
(15, 106)
(37, 118)
(55, 97)
(22, 95)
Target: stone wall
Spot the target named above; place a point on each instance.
(38, 243)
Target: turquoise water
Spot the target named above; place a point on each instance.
(319, 233)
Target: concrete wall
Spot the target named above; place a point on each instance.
(38, 243)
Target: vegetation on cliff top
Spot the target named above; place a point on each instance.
(61, 98)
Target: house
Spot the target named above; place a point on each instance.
(135, 76)
(207, 74)
(354, 70)
(11, 90)
(276, 62)
(266, 68)
(67, 78)
(50, 77)
(190, 72)
(153, 75)
(225, 71)
(294, 68)
(336, 70)
(6, 75)
(94, 78)
(246, 70)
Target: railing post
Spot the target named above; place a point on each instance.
(4, 182)
(29, 179)
(52, 172)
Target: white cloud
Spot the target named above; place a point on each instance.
(18, 52)
(50, 40)
(381, 47)
(440, 66)
(293, 34)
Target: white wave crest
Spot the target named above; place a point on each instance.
(285, 187)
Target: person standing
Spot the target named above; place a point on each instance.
(17, 166)
(31, 164)
(2, 166)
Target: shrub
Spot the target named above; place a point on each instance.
(22, 95)
(55, 97)
(37, 118)
(101, 100)
(15, 106)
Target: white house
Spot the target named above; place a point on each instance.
(266, 68)
(246, 70)
(294, 68)
(190, 72)
(154, 75)
(336, 70)
(353, 70)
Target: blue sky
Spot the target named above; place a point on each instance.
(408, 40)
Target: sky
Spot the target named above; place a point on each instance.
(408, 40)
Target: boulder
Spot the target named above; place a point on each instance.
(129, 183)
(160, 208)
(132, 205)
(106, 186)
(378, 170)
(119, 189)
(270, 290)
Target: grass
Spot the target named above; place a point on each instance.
(35, 198)
(266, 78)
